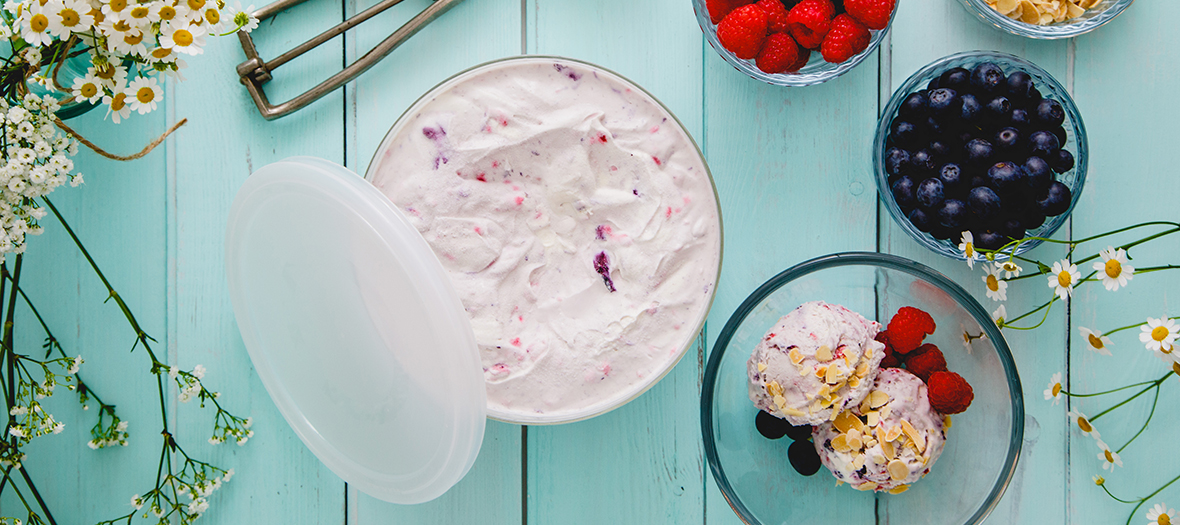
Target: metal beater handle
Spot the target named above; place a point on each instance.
(255, 72)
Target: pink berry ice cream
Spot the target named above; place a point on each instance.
(577, 221)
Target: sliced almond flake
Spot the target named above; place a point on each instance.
(919, 438)
(886, 446)
(877, 399)
(946, 422)
(761, 367)
(885, 411)
(858, 462)
(859, 425)
(864, 405)
(849, 360)
(853, 433)
(816, 406)
(870, 442)
(868, 353)
(898, 470)
(823, 354)
(879, 459)
(832, 374)
(910, 445)
(862, 369)
(780, 401)
(840, 444)
(1074, 11)
(795, 355)
(774, 389)
(821, 371)
(793, 412)
(833, 413)
(874, 418)
(1006, 6)
(1029, 13)
(866, 486)
(824, 391)
(899, 489)
(843, 421)
(893, 433)
(803, 371)
(856, 443)
(839, 482)
(853, 382)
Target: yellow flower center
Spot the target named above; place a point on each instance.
(88, 90)
(39, 23)
(1099, 480)
(1167, 349)
(1084, 425)
(139, 11)
(1164, 520)
(105, 72)
(69, 17)
(145, 95)
(195, 5)
(992, 283)
(167, 12)
(1159, 333)
(1008, 266)
(212, 15)
(98, 17)
(161, 52)
(182, 38)
(1095, 341)
(1056, 389)
(1113, 269)
(970, 250)
(1109, 458)
(133, 39)
(118, 5)
(122, 26)
(118, 101)
(1064, 279)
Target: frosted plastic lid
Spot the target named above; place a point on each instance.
(355, 330)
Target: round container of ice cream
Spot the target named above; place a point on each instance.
(805, 348)
(577, 220)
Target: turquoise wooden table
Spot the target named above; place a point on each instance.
(793, 173)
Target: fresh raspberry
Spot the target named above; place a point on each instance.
(874, 14)
(949, 393)
(804, 56)
(809, 22)
(743, 30)
(779, 54)
(719, 8)
(925, 360)
(909, 327)
(844, 40)
(892, 358)
(776, 14)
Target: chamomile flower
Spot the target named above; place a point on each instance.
(126, 39)
(68, 16)
(1095, 340)
(1010, 268)
(997, 290)
(967, 245)
(1063, 278)
(211, 19)
(1084, 424)
(35, 28)
(117, 106)
(1054, 390)
(1114, 269)
(187, 39)
(143, 93)
(1159, 334)
(1000, 315)
(141, 15)
(88, 88)
(1160, 514)
(1110, 459)
(114, 10)
(110, 76)
(165, 12)
(244, 19)
(1098, 480)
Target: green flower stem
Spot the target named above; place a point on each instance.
(1120, 389)
(1046, 305)
(1116, 498)
(1073, 244)
(1145, 423)
(1149, 496)
(1049, 306)
(1154, 384)
(1128, 327)
(16, 490)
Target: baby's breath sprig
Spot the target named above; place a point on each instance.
(181, 494)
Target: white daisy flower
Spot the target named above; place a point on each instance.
(1159, 335)
(1160, 514)
(1010, 268)
(1098, 480)
(35, 28)
(1114, 269)
(245, 21)
(68, 16)
(1064, 277)
(128, 42)
(1000, 315)
(114, 10)
(967, 246)
(141, 15)
(1054, 390)
(111, 77)
(211, 19)
(1080, 420)
(164, 12)
(143, 93)
(1110, 459)
(187, 39)
(117, 106)
(1095, 340)
(88, 88)
(997, 289)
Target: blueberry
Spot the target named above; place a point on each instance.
(944, 101)
(799, 433)
(979, 152)
(978, 178)
(1054, 200)
(1049, 113)
(1062, 161)
(1032, 218)
(987, 77)
(964, 137)
(921, 220)
(1059, 132)
(934, 127)
(770, 426)
(951, 176)
(988, 239)
(1037, 173)
(914, 105)
(1005, 177)
(999, 109)
(952, 214)
(903, 192)
(983, 202)
(933, 84)
(904, 133)
(1034, 98)
(1011, 229)
(1008, 140)
(958, 79)
(942, 233)
(897, 161)
(922, 163)
(940, 149)
(1020, 85)
(1043, 144)
(1019, 119)
(972, 110)
(930, 193)
(804, 457)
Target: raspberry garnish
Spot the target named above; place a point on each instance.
(776, 15)
(874, 14)
(924, 361)
(719, 8)
(743, 30)
(780, 54)
(844, 40)
(908, 328)
(809, 22)
(949, 393)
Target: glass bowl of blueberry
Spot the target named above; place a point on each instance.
(983, 142)
(1086, 16)
(771, 472)
(794, 42)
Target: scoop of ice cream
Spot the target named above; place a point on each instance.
(887, 442)
(817, 361)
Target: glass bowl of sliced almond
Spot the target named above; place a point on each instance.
(1047, 19)
(934, 474)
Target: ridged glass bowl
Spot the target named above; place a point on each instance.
(1092, 19)
(1075, 131)
(982, 445)
(817, 71)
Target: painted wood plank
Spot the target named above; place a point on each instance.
(1125, 82)
(226, 140)
(641, 463)
(924, 31)
(491, 492)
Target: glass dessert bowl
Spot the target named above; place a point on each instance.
(982, 447)
(1094, 17)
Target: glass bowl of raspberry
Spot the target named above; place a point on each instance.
(772, 477)
(1090, 15)
(794, 42)
(981, 142)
